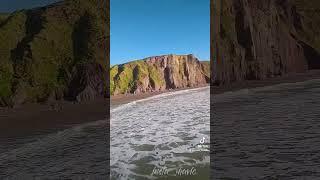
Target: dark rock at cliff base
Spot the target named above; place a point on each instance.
(253, 40)
(159, 73)
(57, 52)
(87, 83)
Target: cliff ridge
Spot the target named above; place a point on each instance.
(159, 73)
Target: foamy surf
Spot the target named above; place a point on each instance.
(158, 131)
(166, 94)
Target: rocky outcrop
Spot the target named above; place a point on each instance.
(254, 40)
(57, 52)
(159, 73)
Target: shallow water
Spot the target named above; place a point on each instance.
(139, 131)
(264, 133)
(161, 132)
(75, 153)
(267, 133)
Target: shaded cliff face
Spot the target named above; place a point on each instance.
(159, 73)
(254, 40)
(54, 52)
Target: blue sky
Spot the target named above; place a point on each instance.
(143, 28)
(13, 5)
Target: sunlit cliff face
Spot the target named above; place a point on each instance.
(159, 73)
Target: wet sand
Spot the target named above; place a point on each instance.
(267, 133)
(35, 119)
(289, 78)
(123, 99)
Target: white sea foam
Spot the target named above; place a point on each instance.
(130, 104)
(162, 126)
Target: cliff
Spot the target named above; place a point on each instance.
(253, 40)
(54, 52)
(3, 17)
(159, 73)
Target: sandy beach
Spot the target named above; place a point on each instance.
(289, 78)
(32, 119)
(38, 119)
(123, 99)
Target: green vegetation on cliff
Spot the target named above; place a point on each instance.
(3, 17)
(152, 75)
(126, 76)
(49, 52)
(155, 77)
(12, 32)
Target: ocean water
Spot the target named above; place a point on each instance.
(76, 153)
(267, 133)
(263, 133)
(168, 132)
(168, 126)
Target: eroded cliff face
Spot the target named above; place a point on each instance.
(254, 39)
(55, 52)
(159, 73)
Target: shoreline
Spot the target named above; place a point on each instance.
(127, 98)
(247, 84)
(39, 119)
(250, 84)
